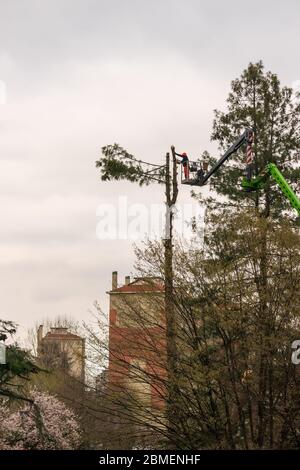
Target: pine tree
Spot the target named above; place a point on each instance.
(258, 100)
(19, 366)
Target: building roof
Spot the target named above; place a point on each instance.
(141, 284)
(64, 336)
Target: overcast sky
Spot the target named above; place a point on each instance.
(80, 74)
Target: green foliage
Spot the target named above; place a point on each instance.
(258, 100)
(239, 387)
(117, 164)
(19, 362)
(19, 366)
(7, 328)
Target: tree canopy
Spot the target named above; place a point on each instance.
(258, 100)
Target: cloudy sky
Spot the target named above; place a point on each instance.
(80, 74)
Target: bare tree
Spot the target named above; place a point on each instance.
(237, 387)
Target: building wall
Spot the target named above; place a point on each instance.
(64, 350)
(137, 342)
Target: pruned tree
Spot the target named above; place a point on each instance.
(117, 164)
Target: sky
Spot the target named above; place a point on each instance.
(76, 75)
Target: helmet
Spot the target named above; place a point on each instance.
(184, 154)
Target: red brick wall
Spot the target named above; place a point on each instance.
(127, 344)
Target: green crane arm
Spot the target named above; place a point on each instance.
(284, 186)
(271, 169)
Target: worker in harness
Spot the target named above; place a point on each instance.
(184, 162)
(202, 175)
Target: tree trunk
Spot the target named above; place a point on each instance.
(172, 393)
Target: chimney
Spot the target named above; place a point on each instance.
(114, 281)
(39, 337)
(127, 280)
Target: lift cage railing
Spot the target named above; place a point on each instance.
(196, 171)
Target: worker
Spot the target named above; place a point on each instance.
(184, 162)
(200, 173)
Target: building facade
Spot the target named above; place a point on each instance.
(137, 344)
(61, 349)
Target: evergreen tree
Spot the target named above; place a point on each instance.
(19, 365)
(258, 100)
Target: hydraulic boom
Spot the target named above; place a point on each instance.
(199, 177)
(272, 170)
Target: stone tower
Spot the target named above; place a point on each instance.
(61, 349)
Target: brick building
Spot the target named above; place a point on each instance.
(137, 343)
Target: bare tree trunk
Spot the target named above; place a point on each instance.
(172, 409)
(262, 390)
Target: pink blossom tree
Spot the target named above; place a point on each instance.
(46, 424)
